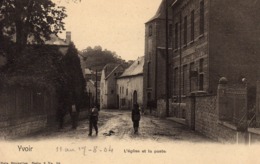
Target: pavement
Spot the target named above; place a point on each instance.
(117, 124)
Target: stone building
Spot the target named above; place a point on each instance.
(213, 39)
(130, 85)
(109, 75)
(154, 59)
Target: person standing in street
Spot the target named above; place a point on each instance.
(74, 114)
(93, 119)
(136, 117)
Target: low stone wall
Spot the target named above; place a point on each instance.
(207, 122)
(254, 135)
(205, 115)
(161, 108)
(17, 127)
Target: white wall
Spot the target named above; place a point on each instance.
(132, 84)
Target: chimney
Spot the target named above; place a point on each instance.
(68, 37)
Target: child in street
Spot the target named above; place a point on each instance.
(136, 117)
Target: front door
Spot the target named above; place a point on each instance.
(135, 97)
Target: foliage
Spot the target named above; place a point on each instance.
(96, 58)
(44, 66)
(75, 80)
(36, 66)
(34, 19)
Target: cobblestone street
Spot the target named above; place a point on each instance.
(151, 128)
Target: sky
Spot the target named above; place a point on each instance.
(115, 25)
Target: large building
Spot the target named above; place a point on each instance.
(208, 39)
(155, 43)
(214, 39)
(130, 85)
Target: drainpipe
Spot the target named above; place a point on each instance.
(167, 62)
(180, 63)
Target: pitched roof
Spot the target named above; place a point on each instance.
(87, 71)
(55, 40)
(160, 14)
(135, 69)
(109, 68)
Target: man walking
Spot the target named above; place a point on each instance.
(136, 117)
(93, 119)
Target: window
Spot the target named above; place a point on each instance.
(191, 76)
(175, 81)
(201, 82)
(170, 30)
(192, 26)
(176, 35)
(123, 102)
(185, 31)
(184, 82)
(126, 91)
(112, 91)
(201, 65)
(170, 34)
(150, 30)
(149, 75)
(201, 17)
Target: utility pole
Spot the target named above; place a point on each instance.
(166, 60)
(96, 89)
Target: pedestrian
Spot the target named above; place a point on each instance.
(93, 119)
(136, 117)
(74, 113)
(61, 112)
(141, 108)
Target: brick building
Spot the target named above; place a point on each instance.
(154, 65)
(215, 38)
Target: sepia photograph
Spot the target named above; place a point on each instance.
(129, 81)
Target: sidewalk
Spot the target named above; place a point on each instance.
(178, 120)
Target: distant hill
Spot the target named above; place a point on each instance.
(96, 58)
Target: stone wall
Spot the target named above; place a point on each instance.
(16, 127)
(207, 122)
(25, 110)
(213, 115)
(161, 108)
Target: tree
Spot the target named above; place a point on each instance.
(74, 76)
(96, 58)
(34, 19)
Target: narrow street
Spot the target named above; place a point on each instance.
(120, 124)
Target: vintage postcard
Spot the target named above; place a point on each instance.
(117, 81)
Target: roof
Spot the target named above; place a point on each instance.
(87, 71)
(160, 14)
(109, 68)
(135, 69)
(55, 40)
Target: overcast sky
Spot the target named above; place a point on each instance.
(117, 25)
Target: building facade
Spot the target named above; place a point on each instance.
(92, 86)
(108, 96)
(154, 59)
(130, 85)
(213, 39)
